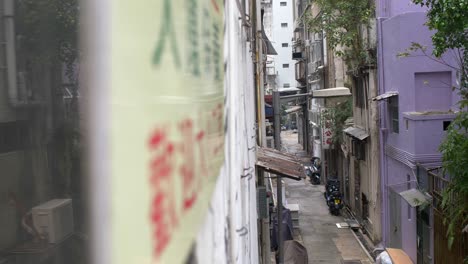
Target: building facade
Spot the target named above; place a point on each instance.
(416, 105)
(282, 31)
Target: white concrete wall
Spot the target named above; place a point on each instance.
(283, 14)
(229, 232)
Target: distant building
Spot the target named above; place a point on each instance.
(282, 33)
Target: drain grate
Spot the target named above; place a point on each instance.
(351, 262)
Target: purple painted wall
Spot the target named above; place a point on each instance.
(423, 85)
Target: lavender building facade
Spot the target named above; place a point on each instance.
(416, 104)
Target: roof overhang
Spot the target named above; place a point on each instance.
(280, 163)
(289, 89)
(356, 132)
(293, 109)
(331, 92)
(385, 96)
(414, 197)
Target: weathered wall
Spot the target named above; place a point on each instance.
(229, 232)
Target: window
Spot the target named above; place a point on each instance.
(394, 115)
(286, 85)
(359, 149)
(284, 45)
(360, 92)
(13, 136)
(446, 125)
(285, 65)
(282, 3)
(284, 25)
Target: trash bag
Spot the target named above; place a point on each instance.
(287, 228)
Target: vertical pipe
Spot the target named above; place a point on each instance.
(260, 72)
(383, 134)
(279, 218)
(256, 12)
(277, 122)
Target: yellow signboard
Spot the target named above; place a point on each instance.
(167, 124)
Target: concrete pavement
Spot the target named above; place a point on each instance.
(325, 243)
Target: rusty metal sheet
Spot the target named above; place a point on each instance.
(278, 162)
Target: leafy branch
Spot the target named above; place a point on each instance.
(336, 118)
(341, 20)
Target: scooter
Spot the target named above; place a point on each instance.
(333, 185)
(313, 173)
(335, 203)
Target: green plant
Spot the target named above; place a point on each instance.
(341, 20)
(336, 118)
(47, 31)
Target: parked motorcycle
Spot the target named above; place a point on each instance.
(331, 186)
(335, 203)
(313, 173)
(333, 196)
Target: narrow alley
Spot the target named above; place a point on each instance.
(325, 242)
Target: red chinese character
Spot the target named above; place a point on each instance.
(162, 212)
(329, 141)
(187, 168)
(328, 133)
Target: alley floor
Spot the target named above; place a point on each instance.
(325, 243)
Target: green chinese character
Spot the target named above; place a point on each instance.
(216, 52)
(167, 31)
(192, 32)
(206, 37)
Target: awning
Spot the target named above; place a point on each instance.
(293, 109)
(385, 96)
(414, 197)
(280, 163)
(356, 132)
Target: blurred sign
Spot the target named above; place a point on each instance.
(167, 124)
(327, 135)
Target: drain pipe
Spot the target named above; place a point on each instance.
(383, 134)
(11, 73)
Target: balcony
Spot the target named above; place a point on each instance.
(300, 72)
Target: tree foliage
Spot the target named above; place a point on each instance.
(336, 118)
(341, 20)
(449, 19)
(48, 31)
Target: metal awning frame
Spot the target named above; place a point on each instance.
(356, 132)
(385, 96)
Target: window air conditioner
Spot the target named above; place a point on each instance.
(54, 219)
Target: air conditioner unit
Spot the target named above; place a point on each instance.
(54, 219)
